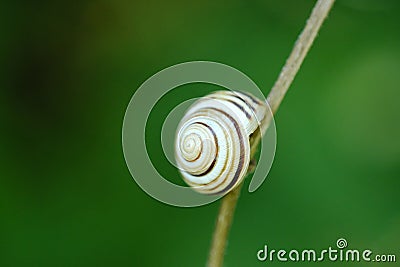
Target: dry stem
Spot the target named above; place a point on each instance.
(275, 97)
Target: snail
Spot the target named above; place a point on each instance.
(212, 143)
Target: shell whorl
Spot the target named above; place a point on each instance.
(212, 146)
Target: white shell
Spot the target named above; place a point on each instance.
(212, 146)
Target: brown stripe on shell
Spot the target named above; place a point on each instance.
(241, 108)
(243, 100)
(241, 160)
(216, 152)
(237, 105)
(255, 100)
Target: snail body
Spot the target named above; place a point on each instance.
(212, 145)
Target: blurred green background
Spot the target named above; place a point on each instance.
(70, 69)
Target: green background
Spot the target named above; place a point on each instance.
(70, 69)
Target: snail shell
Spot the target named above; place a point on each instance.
(212, 145)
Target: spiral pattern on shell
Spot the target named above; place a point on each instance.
(212, 146)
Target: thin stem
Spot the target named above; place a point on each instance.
(275, 97)
(224, 221)
(299, 52)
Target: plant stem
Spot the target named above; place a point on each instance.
(275, 97)
(299, 52)
(224, 221)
